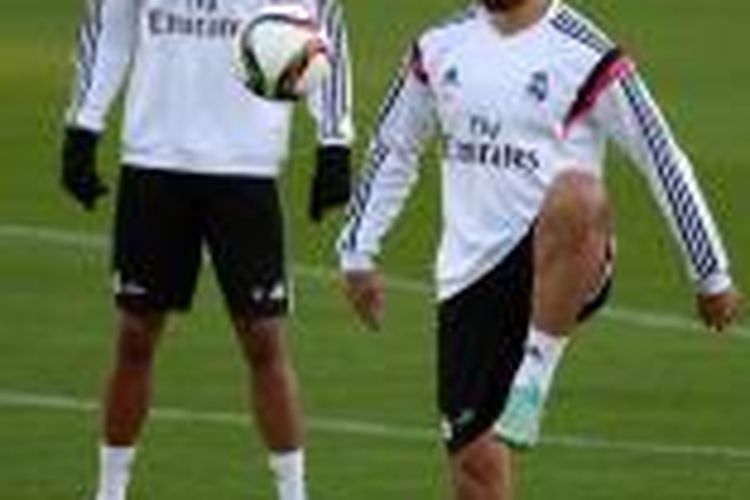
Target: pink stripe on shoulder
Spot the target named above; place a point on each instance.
(597, 85)
(416, 64)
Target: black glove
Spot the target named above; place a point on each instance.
(79, 177)
(331, 183)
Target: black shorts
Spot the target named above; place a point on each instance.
(481, 336)
(162, 221)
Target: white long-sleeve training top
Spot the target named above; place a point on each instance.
(185, 108)
(512, 112)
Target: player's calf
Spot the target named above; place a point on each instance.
(276, 404)
(128, 391)
(127, 399)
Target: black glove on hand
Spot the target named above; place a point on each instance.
(331, 183)
(79, 177)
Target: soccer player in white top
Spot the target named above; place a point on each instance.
(523, 95)
(200, 160)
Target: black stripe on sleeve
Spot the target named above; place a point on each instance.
(89, 37)
(684, 209)
(376, 158)
(575, 27)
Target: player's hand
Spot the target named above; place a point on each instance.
(365, 291)
(718, 311)
(79, 177)
(331, 183)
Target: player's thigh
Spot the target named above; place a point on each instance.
(481, 334)
(244, 231)
(157, 240)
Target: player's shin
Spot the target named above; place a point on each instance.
(273, 388)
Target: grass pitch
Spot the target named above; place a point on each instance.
(647, 405)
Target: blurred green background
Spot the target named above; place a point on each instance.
(648, 405)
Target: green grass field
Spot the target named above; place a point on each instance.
(648, 406)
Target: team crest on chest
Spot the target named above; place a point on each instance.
(450, 77)
(538, 86)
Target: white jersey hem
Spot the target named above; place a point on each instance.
(448, 288)
(249, 170)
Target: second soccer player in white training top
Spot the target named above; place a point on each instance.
(524, 95)
(200, 159)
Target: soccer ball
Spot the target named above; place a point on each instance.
(281, 52)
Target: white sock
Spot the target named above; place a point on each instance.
(543, 352)
(289, 469)
(114, 471)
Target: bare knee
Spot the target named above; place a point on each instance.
(137, 338)
(262, 342)
(482, 470)
(575, 211)
(480, 465)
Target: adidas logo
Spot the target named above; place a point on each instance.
(450, 77)
(127, 287)
(278, 292)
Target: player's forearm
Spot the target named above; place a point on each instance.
(106, 38)
(377, 201)
(684, 205)
(405, 123)
(699, 238)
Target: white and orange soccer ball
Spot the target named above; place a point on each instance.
(281, 52)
